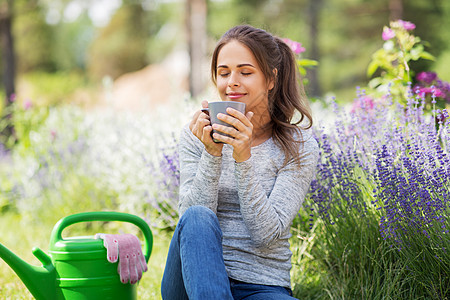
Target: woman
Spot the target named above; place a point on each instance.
(238, 198)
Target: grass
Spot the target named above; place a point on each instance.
(20, 237)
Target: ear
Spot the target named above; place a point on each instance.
(272, 81)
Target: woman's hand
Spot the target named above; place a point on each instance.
(241, 133)
(200, 126)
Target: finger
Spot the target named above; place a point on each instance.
(139, 270)
(249, 115)
(244, 126)
(114, 250)
(194, 119)
(124, 268)
(133, 269)
(205, 104)
(110, 243)
(141, 259)
(141, 264)
(225, 129)
(236, 124)
(224, 139)
(197, 127)
(206, 134)
(135, 266)
(240, 116)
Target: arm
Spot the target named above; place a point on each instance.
(199, 174)
(267, 218)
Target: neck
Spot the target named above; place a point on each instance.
(261, 132)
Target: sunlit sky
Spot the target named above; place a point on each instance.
(100, 11)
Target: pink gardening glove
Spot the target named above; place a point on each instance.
(127, 249)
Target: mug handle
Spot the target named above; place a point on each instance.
(205, 110)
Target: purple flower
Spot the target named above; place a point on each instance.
(426, 77)
(296, 47)
(387, 33)
(407, 25)
(442, 116)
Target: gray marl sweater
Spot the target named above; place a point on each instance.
(255, 202)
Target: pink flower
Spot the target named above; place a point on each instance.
(387, 33)
(53, 134)
(438, 93)
(27, 104)
(407, 25)
(432, 91)
(296, 47)
(363, 103)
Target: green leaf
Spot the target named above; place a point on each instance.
(307, 62)
(375, 82)
(373, 66)
(426, 55)
(302, 71)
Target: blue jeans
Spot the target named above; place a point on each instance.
(195, 268)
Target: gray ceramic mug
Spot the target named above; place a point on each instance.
(218, 107)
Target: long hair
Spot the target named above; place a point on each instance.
(287, 97)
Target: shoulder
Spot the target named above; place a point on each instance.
(309, 141)
(309, 148)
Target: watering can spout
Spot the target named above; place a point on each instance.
(40, 281)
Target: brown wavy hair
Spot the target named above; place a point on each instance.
(287, 97)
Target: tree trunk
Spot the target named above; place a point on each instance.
(395, 9)
(314, 89)
(196, 37)
(6, 42)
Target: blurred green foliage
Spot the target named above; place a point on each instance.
(144, 32)
(49, 89)
(120, 46)
(33, 38)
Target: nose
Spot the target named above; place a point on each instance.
(233, 80)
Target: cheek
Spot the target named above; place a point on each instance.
(221, 86)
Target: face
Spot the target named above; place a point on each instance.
(239, 77)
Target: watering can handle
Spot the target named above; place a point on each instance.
(104, 216)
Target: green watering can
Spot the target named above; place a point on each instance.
(77, 267)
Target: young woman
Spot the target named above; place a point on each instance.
(238, 198)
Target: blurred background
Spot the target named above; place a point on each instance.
(135, 54)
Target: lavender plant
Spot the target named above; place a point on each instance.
(164, 199)
(382, 190)
(413, 191)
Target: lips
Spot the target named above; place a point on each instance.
(235, 96)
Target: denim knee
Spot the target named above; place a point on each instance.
(198, 210)
(200, 217)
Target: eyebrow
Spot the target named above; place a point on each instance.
(239, 66)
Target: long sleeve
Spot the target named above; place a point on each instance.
(200, 173)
